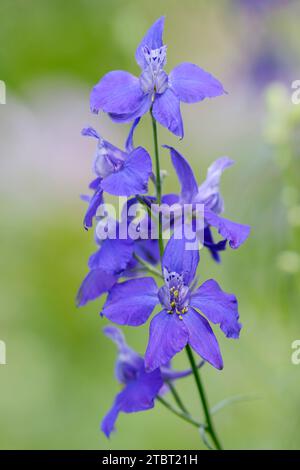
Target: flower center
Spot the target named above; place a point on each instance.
(153, 78)
(174, 295)
(105, 162)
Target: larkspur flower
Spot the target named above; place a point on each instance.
(106, 265)
(208, 194)
(115, 258)
(125, 97)
(140, 388)
(118, 173)
(179, 323)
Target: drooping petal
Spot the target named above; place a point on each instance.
(171, 374)
(117, 92)
(189, 187)
(95, 201)
(192, 84)
(166, 110)
(168, 335)
(213, 247)
(153, 40)
(95, 183)
(131, 302)
(235, 233)
(108, 422)
(178, 259)
(143, 108)
(218, 306)
(137, 395)
(113, 255)
(96, 283)
(209, 190)
(140, 393)
(129, 146)
(201, 338)
(133, 177)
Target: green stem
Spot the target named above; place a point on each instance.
(158, 183)
(210, 427)
(144, 204)
(181, 415)
(177, 397)
(148, 266)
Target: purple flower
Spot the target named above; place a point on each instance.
(113, 259)
(140, 388)
(125, 97)
(106, 265)
(179, 322)
(119, 173)
(208, 194)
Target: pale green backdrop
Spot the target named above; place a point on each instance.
(58, 381)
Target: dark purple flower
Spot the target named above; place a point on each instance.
(140, 388)
(208, 194)
(106, 265)
(119, 173)
(113, 259)
(125, 97)
(179, 323)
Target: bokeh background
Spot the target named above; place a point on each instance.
(58, 381)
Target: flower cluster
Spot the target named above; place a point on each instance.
(140, 274)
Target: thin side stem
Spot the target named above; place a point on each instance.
(210, 427)
(158, 183)
(144, 204)
(181, 415)
(177, 397)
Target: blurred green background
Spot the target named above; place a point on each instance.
(58, 381)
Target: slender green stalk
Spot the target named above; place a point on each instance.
(209, 424)
(144, 204)
(158, 183)
(208, 427)
(180, 414)
(177, 397)
(148, 266)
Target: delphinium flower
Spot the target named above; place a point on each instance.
(140, 389)
(185, 310)
(117, 172)
(208, 194)
(116, 257)
(125, 97)
(179, 322)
